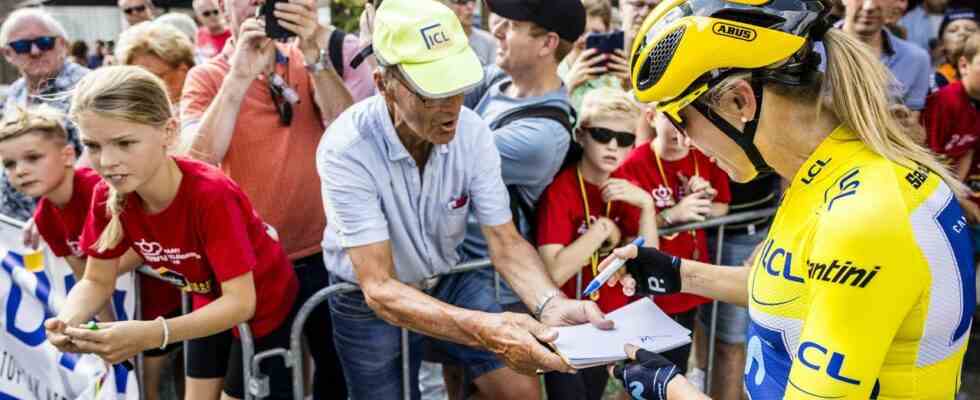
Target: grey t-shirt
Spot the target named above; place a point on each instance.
(485, 46)
(531, 150)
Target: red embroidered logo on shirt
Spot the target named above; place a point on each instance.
(458, 202)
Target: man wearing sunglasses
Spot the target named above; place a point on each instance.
(136, 11)
(214, 32)
(400, 173)
(36, 44)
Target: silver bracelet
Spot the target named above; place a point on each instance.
(540, 309)
(166, 332)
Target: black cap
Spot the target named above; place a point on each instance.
(564, 17)
(956, 14)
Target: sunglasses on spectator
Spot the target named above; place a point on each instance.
(43, 43)
(134, 9)
(209, 13)
(603, 136)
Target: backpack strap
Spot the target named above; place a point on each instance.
(336, 50)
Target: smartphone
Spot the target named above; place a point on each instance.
(272, 28)
(605, 43)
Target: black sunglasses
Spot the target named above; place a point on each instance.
(283, 107)
(134, 9)
(209, 13)
(603, 135)
(23, 46)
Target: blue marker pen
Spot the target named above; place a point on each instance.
(604, 276)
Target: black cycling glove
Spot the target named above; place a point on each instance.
(655, 272)
(647, 377)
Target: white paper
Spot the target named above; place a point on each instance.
(640, 323)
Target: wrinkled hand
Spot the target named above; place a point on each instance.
(300, 17)
(647, 376)
(115, 342)
(585, 68)
(254, 51)
(692, 208)
(54, 329)
(566, 312)
(30, 236)
(519, 341)
(616, 189)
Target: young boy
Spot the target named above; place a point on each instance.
(952, 121)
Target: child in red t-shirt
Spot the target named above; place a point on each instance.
(39, 163)
(573, 238)
(186, 219)
(952, 121)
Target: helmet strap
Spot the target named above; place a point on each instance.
(744, 138)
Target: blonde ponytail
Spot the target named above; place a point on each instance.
(858, 86)
(126, 93)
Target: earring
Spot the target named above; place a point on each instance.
(745, 120)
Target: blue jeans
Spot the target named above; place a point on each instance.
(370, 348)
(733, 321)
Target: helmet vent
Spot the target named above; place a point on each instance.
(750, 17)
(659, 58)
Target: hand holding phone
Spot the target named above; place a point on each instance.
(605, 42)
(272, 27)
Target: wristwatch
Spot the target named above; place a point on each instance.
(322, 63)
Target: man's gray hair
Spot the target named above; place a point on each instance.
(36, 13)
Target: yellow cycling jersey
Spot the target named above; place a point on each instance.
(864, 287)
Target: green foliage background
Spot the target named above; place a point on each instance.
(346, 14)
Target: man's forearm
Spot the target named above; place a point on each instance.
(331, 95)
(521, 267)
(209, 139)
(722, 283)
(405, 306)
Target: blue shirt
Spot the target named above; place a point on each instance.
(921, 26)
(531, 150)
(53, 93)
(372, 191)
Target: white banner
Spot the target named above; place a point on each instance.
(32, 288)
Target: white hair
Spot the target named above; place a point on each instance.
(183, 22)
(37, 13)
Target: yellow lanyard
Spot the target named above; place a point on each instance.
(663, 175)
(588, 223)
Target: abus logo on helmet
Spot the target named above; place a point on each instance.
(734, 32)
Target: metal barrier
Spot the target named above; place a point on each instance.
(293, 357)
(245, 333)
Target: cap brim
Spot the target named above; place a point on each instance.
(516, 10)
(447, 77)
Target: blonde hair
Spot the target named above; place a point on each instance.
(608, 103)
(599, 8)
(855, 88)
(156, 39)
(41, 119)
(126, 93)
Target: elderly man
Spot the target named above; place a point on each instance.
(137, 11)
(37, 45)
(258, 109)
(214, 32)
(400, 173)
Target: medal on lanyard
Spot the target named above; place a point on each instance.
(594, 259)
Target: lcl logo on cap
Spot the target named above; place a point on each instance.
(434, 36)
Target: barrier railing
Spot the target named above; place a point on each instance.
(293, 357)
(245, 333)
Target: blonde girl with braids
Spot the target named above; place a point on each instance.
(188, 221)
(865, 286)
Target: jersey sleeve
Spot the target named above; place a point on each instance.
(97, 220)
(555, 225)
(864, 275)
(224, 232)
(50, 229)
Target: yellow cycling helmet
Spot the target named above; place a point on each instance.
(684, 47)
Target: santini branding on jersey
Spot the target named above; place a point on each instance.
(733, 31)
(841, 273)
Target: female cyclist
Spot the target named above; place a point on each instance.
(186, 219)
(864, 287)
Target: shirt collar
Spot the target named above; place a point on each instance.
(886, 39)
(830, 155)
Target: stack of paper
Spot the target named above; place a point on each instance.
(640, 323)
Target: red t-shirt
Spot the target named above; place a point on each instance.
(209, 45)
(61, 229)
(208, 234)
(561, 220)
(952, 123)
(641, 167)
